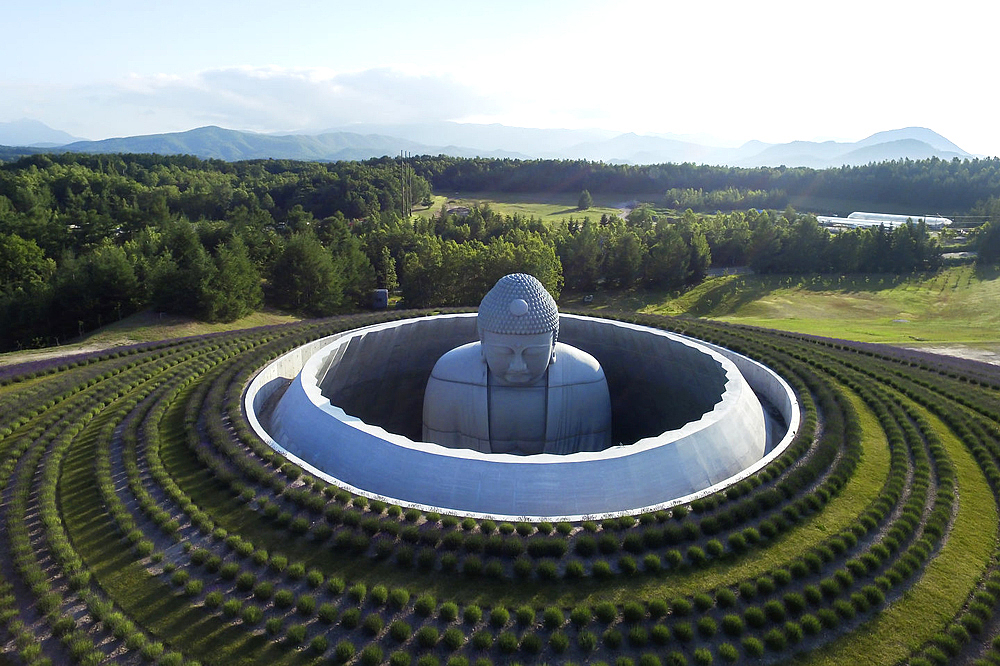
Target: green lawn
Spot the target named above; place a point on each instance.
(944, 587)
(148, 326)
(955, 305)
(863, 488)
(557, 205)
(549, 207)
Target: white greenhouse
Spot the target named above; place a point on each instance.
(859, 219)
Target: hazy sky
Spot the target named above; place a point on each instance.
(774, 71)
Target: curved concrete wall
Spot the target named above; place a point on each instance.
(716, 448)
(380, 377)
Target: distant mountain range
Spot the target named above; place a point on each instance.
(357, 142)
(25, 132)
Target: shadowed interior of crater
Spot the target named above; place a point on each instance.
(654, 387)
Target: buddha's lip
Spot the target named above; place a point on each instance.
(518, 376)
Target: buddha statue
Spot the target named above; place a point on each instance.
(518, 390)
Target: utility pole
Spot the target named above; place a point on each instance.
(405, 185)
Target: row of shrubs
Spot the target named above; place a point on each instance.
(544, 548)
(767, 636)
(47, 454)
(682, 632)
(938, 392)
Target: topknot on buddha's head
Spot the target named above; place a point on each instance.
(518, 305)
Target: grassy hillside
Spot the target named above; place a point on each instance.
(955, 305)
(144, 522)
(145, 326)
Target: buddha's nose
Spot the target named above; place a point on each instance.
(517, 364)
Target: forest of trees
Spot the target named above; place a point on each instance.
(934, 184)
(89, 239)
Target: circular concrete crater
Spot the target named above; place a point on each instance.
(689, 418)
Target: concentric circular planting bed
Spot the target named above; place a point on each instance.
(688, 423)
(143, 521)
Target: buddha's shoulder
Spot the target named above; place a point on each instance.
(462, 364)
(577, 365)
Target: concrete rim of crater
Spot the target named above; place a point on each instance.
(304, 364)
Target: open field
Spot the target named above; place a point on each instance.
(549, 207)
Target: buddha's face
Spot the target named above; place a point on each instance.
(517, 359)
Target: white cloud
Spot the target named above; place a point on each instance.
(259, 99)
(775, 70)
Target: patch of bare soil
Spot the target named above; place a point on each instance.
(13, 358)
(984, 355)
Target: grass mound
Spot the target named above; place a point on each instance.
(143, 521)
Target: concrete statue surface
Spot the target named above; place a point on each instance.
(518, 390)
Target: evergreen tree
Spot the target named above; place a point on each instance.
(305, 279)
(766, 243)
(667, 263)
(233, 290)
(988, 243)
(387, 271)
(625, 259)
(22, 263)
(356, 272)
(582, 256)
(95, 289)
(180, 271)
(420, 267)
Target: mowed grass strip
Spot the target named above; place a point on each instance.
(840, 512)
(231, 513)
(146, 599)
(945, 584)
(215, 640)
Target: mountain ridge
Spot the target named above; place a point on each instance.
(28, 132)
(500, 141)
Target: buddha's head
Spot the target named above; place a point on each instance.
(518, 325)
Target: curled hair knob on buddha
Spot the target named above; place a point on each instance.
(518, 305)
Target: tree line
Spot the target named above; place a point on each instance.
(945, 186)
(88, 239)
